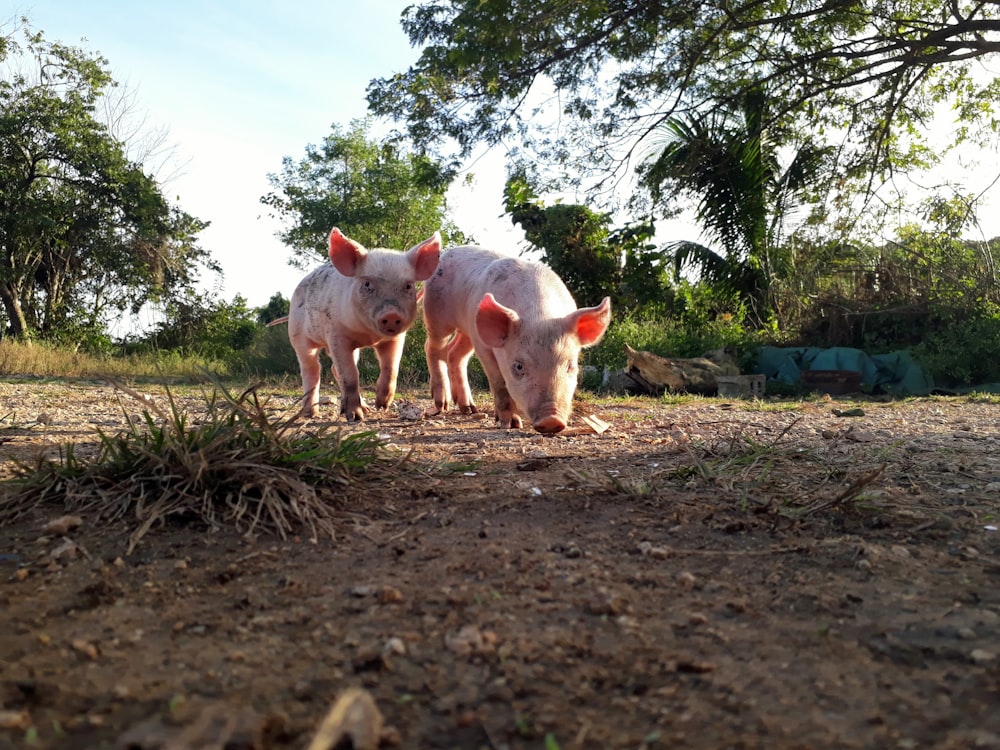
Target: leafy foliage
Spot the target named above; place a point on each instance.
(376, 192)
(669, 336)
(897, 294)
(591, 258)
(201, 325)
(965, 352)
(730, 166)
(868, 72)
(84, 232)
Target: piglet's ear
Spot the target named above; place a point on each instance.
(345, 254)
(590, 323)
(425, 256)
(494, 322)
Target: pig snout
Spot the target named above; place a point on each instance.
(392, 320)
(549, 425)
(391, 323)
(548, 419)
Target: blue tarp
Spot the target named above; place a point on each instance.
(895, 373)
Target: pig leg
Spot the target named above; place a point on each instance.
(345, 368)
(459, 352)
(389, 353)
(308, 356)
(506, 409)
(435, 347)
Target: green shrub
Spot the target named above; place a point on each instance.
(668, 337)
(270, 353)
(967, 353)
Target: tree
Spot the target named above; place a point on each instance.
(83, 230)
(730, 166)
(593, 260)
(275, 308)
(375, 192)
(197, 323)
(612, 71)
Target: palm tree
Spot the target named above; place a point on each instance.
(728, 164)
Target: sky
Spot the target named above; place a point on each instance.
(239, 86)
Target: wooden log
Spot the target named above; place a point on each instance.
(655, 374)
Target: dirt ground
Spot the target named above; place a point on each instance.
(809, 573)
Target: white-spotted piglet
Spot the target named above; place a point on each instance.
(365, 298)
(523, 325)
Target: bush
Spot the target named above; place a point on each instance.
(967, 353)
(270, 353)
(668, 337)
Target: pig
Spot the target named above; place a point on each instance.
(523, 325)
(364, 298)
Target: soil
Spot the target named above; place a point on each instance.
(807, 573)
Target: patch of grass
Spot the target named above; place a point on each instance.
(236, 465)
(977, 397)
(42, 359)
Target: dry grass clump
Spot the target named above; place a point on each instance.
(236, 464)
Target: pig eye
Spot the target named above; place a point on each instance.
(369, 286)
(409, 287)
(518, 369)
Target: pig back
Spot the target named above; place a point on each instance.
(466, 273)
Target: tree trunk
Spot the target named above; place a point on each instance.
(18, 325)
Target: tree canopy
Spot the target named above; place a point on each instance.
(375, 192)
(587, 81)
(85, 233)
(732, 169)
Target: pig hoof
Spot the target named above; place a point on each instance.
(469, 409)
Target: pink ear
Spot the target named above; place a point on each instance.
(591, 322)
(425, 256)
(345, 254)
(494, 322)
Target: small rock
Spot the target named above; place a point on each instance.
(86, 648)
(860, 436)
(686, 580)
(20, 720)
(470, 640)
(409, 411)
(655, 551)
(394, 647)
(62, 526)
(982, 656)
(389, 595)
(606, 603)
(68, 550)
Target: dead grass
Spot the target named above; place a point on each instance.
(237, 465)
(45, 360)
